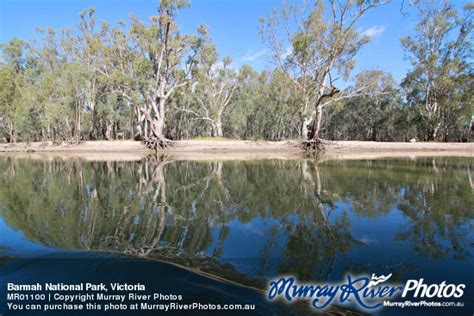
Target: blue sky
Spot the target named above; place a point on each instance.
(233, 25)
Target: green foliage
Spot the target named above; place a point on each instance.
(322, 41)
(439, 82)
(148, 80)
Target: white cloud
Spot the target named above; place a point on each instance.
(254, 56)
(374, 31)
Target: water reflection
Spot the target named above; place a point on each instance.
(250, 220)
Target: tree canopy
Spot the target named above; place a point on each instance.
(147, 80)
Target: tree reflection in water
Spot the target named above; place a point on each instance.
(186, 212)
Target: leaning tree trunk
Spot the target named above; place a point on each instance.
(314, 142)
(217, 129)
(158, 120)
(317, 123)
(304, 129)
(157, 123)
(141, 122)
(436, 130)
(432, 131)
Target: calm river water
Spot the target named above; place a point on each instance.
(246, 221)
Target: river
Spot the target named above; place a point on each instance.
(245, 221)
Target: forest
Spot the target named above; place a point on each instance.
(148, 81)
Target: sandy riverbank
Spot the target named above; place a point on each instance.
(230, 149)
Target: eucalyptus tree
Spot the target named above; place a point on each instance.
(88, 50)
(441, 55)
(315, 43)
(59, 87)
(240, 118)
(74, 78)
(373, 111)
(263, 107)
(13, 87)
(122, 68)
(44, 89)
(9, 98)
(129, 69)
(213, 85)
(164, 59)
(284, 98)
(278, 111)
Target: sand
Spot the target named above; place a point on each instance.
(236, 149)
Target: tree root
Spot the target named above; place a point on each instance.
(158, 143)
(313, 145)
